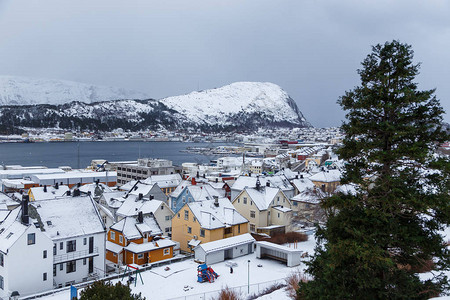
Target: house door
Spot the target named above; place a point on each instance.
(91, 244)
(228, 253)
(91, 265)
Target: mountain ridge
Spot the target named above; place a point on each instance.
(238, 106)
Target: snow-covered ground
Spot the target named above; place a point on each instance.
(180, 282)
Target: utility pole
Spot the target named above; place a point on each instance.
(248, 281)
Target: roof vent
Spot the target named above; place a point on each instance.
(301, 176)
(141, 196)
(56, 186)
(151, 197)
(45, 189)
(216, 201)
(140, 217)
(25, 217)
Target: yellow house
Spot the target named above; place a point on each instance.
(264, 207)
(327, 180)
(206, 221)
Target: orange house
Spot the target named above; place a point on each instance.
(137, 240)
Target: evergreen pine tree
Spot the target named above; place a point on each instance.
(375, 241)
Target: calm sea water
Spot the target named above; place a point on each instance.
(80, 154)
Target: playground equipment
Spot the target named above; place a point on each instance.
(205, 273)
(131, 278)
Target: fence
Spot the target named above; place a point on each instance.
(243, 290)
(107, 278)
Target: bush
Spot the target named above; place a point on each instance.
(101, 290)
(292, 283)
(227, 293)
(266, 291)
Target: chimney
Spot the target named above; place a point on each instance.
(152, 197)
(301, 176)
(97, 182)
(217, 180)
(68, 193)
(216, 201)
(56, 186)
(296, 176)
(78, 185)
(267, 184)
(25, 217)
(258, 183)
(45, 189)
(140, 217)
(141, 196)
(76, 192)
(198, 174)
(204, 175)
(193, 181)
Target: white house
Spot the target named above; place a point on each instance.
(50, 243)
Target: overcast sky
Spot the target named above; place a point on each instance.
(311, 48)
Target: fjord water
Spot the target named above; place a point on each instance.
(80, 154)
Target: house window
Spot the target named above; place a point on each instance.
(84, 261)
(61, 267)
(239, 200)
(186, 215)
(84, 241)
(239, 228)
(189, 229)
(104, 219)
(71, 246)
(167, 229)
(61, 246)
(252, 227)
(140, 256)
(245, 200)
(195, 219)
(178, 215)
(251, 202)
(44, 254)
(278, 199)
(2, 260)
(44, 277)
(295, 203)
(228, 230)
(162, 206)
(278, 215)
(71, 266)
(1, 282)
(167, 218)
(202, 232)
(54, 270)
(31, 238)
(167, 251)
(120, 239)
(184, 199)
(252, 214)
(54, 249)
(112, 235)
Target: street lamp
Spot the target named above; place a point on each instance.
(248, 282)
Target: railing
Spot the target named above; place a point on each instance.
(74, 255)
(244, 291)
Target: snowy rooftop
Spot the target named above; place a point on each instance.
(262, 198)
(113, 199)
(312, 196)
(302, 184)
(131, 206)
(11, 229)
(128, 226)
(145, 247)
(164, 181)
(66, 175)
(210, 216)
(228, 242)
(69, 217)
(95, 189)
(327, 176)
(274, 181)
(50, 192)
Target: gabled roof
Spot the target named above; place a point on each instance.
(164, 181)
(279, 181)
(202, 192)
(180, 188)
(310, 195)
(327, 176)
(68, 217)
(96, 190)
(52, 192)
(131, 206)
(114, 199)
(130, 227)
(302, 184)
(11, 229)
(262, 198)
(227, 243)
(210, 216)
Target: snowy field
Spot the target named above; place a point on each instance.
(180, 282)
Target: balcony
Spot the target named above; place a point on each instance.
(61, 258)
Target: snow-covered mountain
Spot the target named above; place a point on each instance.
(238, 106)
(241, 98)
(15, 90)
